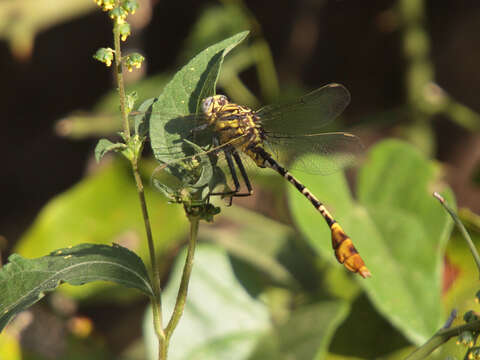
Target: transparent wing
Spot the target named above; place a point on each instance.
(308, 114)
(337, 150)
(204, 171)
(197, 175)
(167, 132)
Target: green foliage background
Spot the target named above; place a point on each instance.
(265, 283)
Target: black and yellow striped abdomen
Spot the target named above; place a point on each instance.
(345, 251)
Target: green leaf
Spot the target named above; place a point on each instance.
(141, 120)
(23, 282)
(229, 323)
(396, 226)
(104, 146)
(183, 96)
(366, 334)
(103, 208)
(168, 126)
(260, 242)
(226, 320)
(306, 335)
(460, 283)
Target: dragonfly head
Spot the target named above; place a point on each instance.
(213, 103)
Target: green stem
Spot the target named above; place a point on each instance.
(187, 270)
(156, 299)
(462, 229)
(441, 337)
(119, 76)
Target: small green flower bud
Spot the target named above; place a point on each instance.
(104, 55)
(106, 5)
(118, 14)
(133, 60)
(466, 338)
(130, 6)
(470, 316)
(474, 353)
(124, 30)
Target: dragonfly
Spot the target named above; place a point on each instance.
(295, 126)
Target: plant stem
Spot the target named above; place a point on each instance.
(119, 76)
(156, 299)
(441, 337)
(462, 229)
(187, 270)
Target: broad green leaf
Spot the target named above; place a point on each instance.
(306, 335)
(228, 323)
(168, 126)
(183, 96)
(461, 274)
(103, 208)
(221, 320)
(104, 146)
(460, 285)
(259, 242)
(398, 228)
(365, 333)
(23, 282)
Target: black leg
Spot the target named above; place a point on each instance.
(229, 151)
(233, 173)
(239, 162)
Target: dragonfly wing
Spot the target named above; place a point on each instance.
(337, 150)
(205, 168)
(308, 114)
(168, 131)
(198, 173)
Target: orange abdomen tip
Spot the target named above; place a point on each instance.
(346, 253)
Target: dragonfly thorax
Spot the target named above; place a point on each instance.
(237, 125)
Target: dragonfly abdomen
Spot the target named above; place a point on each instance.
(345, 251)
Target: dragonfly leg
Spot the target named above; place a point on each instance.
(238, 160)
(229, 152)
(236, 183)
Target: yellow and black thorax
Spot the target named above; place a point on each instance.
(237, 125)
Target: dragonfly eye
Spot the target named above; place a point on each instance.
(207, 105)
(211, 102)
(222, 100)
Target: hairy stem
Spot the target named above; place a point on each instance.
(119, 77)
(156, 299)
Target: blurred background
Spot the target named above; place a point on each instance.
(411, 67)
